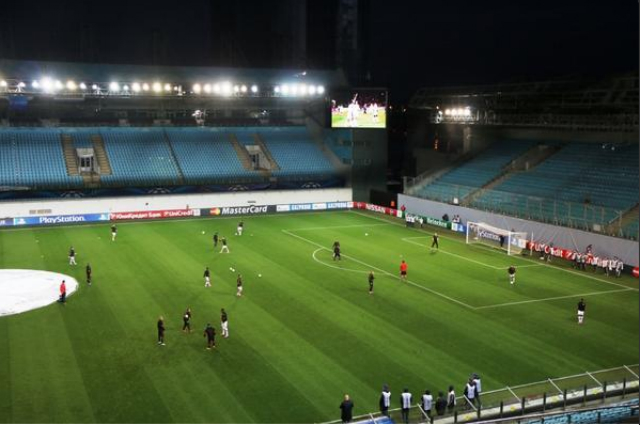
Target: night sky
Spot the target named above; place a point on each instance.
(411, 43)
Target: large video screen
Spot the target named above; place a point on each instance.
(359, 108)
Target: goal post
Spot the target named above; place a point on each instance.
(495, 237)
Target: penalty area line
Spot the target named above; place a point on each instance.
(463, 304)
(552, 298)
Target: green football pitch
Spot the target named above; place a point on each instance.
(304, 333)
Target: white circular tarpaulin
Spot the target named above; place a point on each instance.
(24, 290)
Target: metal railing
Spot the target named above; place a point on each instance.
(519, 400)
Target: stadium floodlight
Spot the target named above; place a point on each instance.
(320, 89)
(236, 88)
(226, 88)
(197, 88)
(303, 89)
(145, 87)
(21, 84)
(157, 87)
(83, 86)
(71, 85)
(113, 86)
(254, 89)
(285, 89)
(3, 83)
(216, 88)
(467, 112)
(312, 90)
(95, 87)
(125, 88)
(294, 89)
(447, 111)
(243, 88)
(35, 84)
(167, 87)
(136, 87)
(207, 88)
(276, 89)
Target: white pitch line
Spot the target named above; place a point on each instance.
(331, 265)
(586, 276)
(454, 255)
(340, 227)
(386, 272)
(552, 298)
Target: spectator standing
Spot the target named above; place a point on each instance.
(427, 402)
(346, 409)
(385, 400)
(478, 382)
(441, 404)
(405, 404)
(470, 391)
(451, 399)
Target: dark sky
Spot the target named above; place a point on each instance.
(411, 43)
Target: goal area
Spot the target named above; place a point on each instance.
(495, 237)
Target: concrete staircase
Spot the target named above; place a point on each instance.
(174, 158)
(70, 158)
(258, 139)
(101, 154)
(241, 151)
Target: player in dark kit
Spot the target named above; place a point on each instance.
(210, 333)
(371, 278)
(435, 241)
(186, 318)
(336, 252)
(114, 233)
(207, 277)
(161, 331)
(88, 270)
(72, 257)
(239, 286)
(215, 240)
(582, 307)
(512, 274)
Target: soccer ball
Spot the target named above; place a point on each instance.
(259, 275)
(366, 234)
(203, 232)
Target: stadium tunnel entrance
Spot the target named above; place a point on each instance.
(25, 290)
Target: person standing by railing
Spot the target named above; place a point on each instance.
(346, 408)
(441, 404)
(427, 402)
(385, 399)
(405, 404)
(451, 399)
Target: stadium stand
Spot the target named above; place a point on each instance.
(620, 413)
(205, 155)
(472, 175)
(563, 188)
(34, 159)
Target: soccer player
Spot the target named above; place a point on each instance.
(63, 293)
(619, 267)
(210, 333)
(72, 257)
(427, 402)
(207, 277)
(405, 404)
(582, 307)
(114, 233)
(224, 248)
(512, 274)
(215, 240)
(336, 252)
(435, 241)
(161, 331)
(371, 279)
(88, 270)
(186, 319)
(403, 270)
(451, 399)
(240, 228)
(224, 323)
(239, 285)
(385, 400)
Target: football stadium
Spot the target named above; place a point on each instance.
(248, 215)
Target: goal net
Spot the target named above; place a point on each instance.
(495, 237)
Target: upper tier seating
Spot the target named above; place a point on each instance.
(477, 172)
(581, 176)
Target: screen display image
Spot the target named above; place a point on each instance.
(359, 109)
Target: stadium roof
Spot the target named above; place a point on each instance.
(29, 70)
